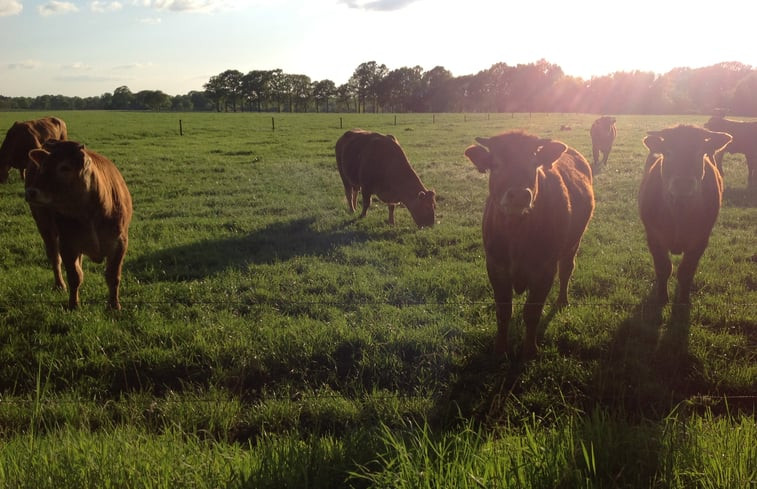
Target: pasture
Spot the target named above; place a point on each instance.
(268, 338)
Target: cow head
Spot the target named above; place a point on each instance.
(514, 161)
(423, 208)
(683, 151)
(61, 175)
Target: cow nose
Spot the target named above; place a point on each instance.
(517, 200)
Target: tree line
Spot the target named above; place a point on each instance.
(534, 87)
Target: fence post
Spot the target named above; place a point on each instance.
(273, 124)
(181, 131)
(340, 123)
(395, 120)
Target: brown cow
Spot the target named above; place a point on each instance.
(603, 134)
(540, 201)
(375, 164)
(25, 136)
(679, 201)
(744, 141)
(91, 206)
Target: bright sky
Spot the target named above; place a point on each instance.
(89, 47)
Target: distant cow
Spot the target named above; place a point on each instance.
(679, 201)
(91, 208)
(25, 136)
(744, 141)
(603, 134)
(375, 164)
(540, 201)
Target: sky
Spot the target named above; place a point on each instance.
(90, 47)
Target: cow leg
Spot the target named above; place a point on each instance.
(532, 314)
(353, 199)
(366, 201)
(75, 276)
(113, 274)
(604, 158)
(49, 231)
(686, 270)
(663, 267)
(751, 163)
(566, 266)
(595, 155)
(503, 304)
(391, 213)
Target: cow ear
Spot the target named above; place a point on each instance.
(480, 157)
(653, 142)
(38, 155)
(549, 152)
(717, 141)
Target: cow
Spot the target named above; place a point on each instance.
(679, 201)
(25, 136)
(540, 202)
(744, 141)
(374, 163)
(91, 208)
(603, 134)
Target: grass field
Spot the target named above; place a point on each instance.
(268, 338)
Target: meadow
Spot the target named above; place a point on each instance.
(270, 339)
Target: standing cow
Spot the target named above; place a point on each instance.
(744, 141)
(540, 201)
(25, 136)
(603, 133)
(679, 201)
(91, 208)
(374, 163)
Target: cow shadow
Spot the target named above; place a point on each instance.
(277, 242)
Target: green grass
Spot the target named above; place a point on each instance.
(271, 339)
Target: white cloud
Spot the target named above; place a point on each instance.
(382, 5)
(10, 7)
(200, 5)
(102, 7)
(54, 7)
(134, 66)
(78, 66)
(151, 20)
(28, 64)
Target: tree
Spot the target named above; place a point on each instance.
(122, 98)
(322, 91)
(436, 90)
(366, 79)
(400, 89)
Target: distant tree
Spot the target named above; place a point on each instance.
(744, 101)
(300, 92)
(200, 100)
(346, 97)
(256, 88)
(323, 91)
(366, 79)
(400, 89)
(122, 98)
(181, 103)
(436, 90)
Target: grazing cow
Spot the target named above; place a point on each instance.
(603, 134)
(540, 201)
(375, 164)
(744, 141)
(679, 201)
(91, 208)
(25, 136)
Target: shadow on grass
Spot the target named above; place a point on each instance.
(277, 242)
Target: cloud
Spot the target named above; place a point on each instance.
(151, 20)
(28, 64)
(99, 6)
(199, 5)
(134, 66)
(380, 5)
(55, 7)
(10, 7)
(78, 66)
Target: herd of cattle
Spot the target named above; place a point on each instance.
(540, 202)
